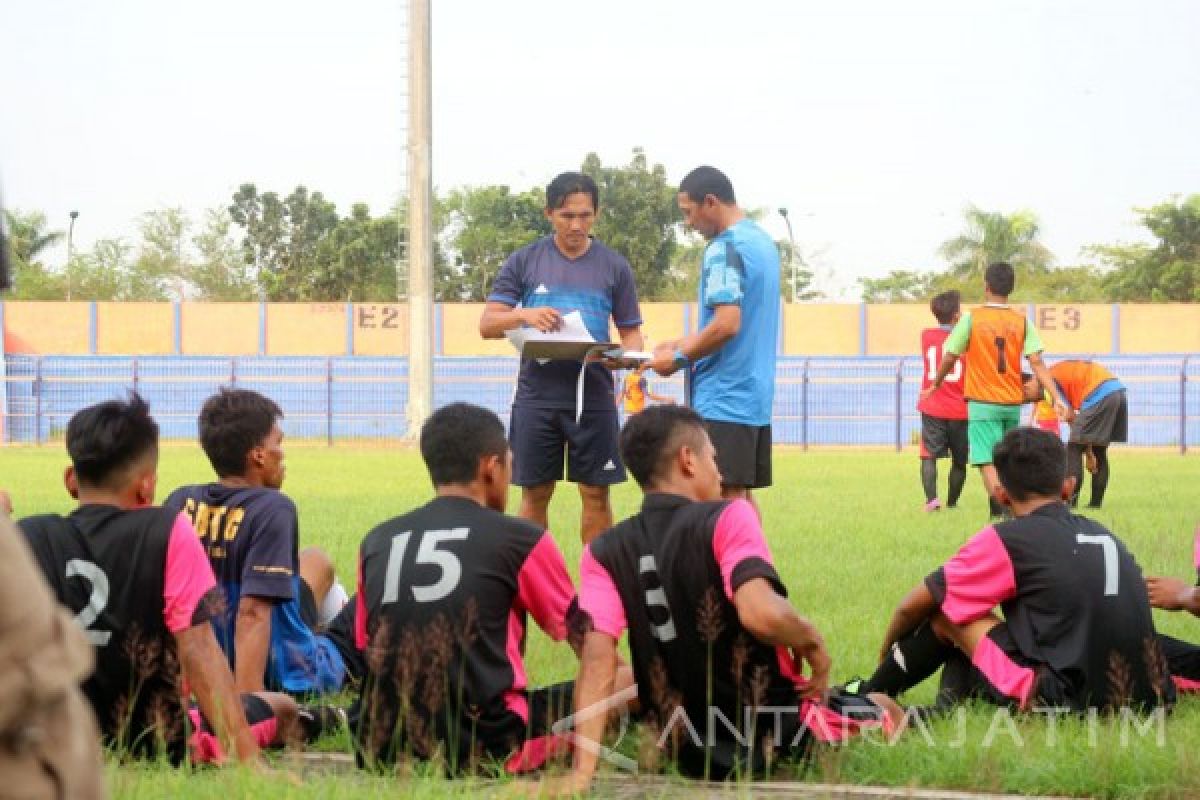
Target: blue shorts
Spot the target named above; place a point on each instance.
(541, 438)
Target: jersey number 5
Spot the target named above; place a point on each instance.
(428, 553)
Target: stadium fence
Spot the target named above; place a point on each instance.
(819, 401)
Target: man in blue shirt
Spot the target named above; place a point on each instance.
(568, 271)
(277, 597)
(732, 356)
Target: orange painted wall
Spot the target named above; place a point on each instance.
(223, 329)
(895, 329)
(380, 329)
(820, 330)
(460, 333)
(1084, 328)
(306, 329)
(46, 328)
(663, 321)
(135, 329)
(1160, 328)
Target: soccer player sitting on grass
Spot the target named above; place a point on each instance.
(443, 599)
(1077, 630)
(992, 338)
(1172, 594)
(711, 631)
(140, 586)
(943, 412)
(276, 596)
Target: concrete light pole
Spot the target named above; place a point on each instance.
(71, 249)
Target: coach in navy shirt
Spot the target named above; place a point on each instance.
(569, 271)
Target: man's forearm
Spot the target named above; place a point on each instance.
(597, 671)
(1045, 378)
(252, 642)
(948, 361)
(207, 674)
(495, 322)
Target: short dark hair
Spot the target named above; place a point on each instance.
(569, 183)
(232, 423)
(1000, 278)
(652, 437)
(945, 305)
(107, 439)
(703, 181)
(1030, 462)
(456, 438)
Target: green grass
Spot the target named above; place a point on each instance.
(849, 538)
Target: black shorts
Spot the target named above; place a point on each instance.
(963, 680)
(941, 437)
(743, 453)
(541, 438)
(1103, 423)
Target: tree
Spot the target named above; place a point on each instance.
(158, 273)
(1167, 271)
(219, 271)
(483, 226)
(898, 286)
(282, 238)
(357, 260)
(28, 239)
(994, 236)
(638, 217)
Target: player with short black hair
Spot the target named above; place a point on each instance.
(710, 629)
(277, 597)
(729, 362)
(944, 412)
(993, 337)
(443, 599)
(556, 422)
(1077, 630)
(141, 587)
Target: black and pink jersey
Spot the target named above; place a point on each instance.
(668, 575)
(133, 578)
(1074, 600)
(444, 593)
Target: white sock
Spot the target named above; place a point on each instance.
(333, 603)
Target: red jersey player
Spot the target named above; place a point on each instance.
(943, 413)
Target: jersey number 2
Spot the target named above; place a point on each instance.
(1111, 574)
(97, 600)
(427, 553)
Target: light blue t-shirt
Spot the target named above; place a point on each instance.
(737, 383)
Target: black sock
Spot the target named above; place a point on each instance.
(1075, 469)
(1100, 479)
(929, 478)
(912, 659)
(958, 477)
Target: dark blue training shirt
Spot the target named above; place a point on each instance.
(252, 539)
(599, 285)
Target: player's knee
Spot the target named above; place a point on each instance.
(538, 496)
(316, 562)
(287, 716)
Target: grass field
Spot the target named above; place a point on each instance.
(849, 538)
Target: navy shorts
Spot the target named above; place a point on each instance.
(543, 439)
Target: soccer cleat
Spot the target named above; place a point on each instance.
(316, 721)
(933, 505)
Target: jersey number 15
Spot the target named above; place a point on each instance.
(427, 553)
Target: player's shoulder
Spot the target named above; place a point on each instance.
(42, 524)
(538, 247)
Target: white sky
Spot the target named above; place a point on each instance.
(875, 122)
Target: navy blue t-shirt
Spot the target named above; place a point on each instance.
(252, 539)
(599, 285)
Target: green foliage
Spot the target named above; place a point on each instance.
(898, 286)
(219, 273)
(994, 236)
(1167, 271)
(638, 217)
(484, 225)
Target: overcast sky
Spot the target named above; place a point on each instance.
(875, 122)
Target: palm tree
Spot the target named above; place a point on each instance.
(28, 236)
(994, 236)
